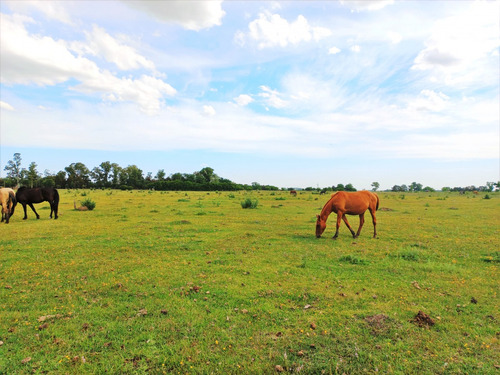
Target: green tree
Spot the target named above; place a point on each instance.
(350, 187)
(415, 187)
(207, 175)
(375, 186)
(115, 174)
(60, 179)
(490, 186)
(32, 175)
(160, 176)
(339, 187)
(177, 177)
(78, 176)
(134, 177)
(102, 174)
(13, 168)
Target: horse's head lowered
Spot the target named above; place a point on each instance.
(320, 226)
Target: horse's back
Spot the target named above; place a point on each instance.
(37, 195)
(355, 202)
(26, 195)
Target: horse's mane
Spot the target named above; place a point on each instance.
(22, 188)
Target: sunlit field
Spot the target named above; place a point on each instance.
(192, 283)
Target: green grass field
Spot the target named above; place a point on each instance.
(191, 283)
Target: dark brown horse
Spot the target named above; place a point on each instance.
(293, 192)
(27, 196)
(349, 203)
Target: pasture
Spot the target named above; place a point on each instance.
(191, 283)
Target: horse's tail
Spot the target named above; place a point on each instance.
(13, 201)
(56, 196)
(378, 201)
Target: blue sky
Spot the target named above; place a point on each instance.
(292, 94)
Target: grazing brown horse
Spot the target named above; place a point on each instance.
(8, 202)
(293, 192)
(349, 203)
(27, 196)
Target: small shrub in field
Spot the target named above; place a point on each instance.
(410, 256)
(487, 196)
(249, 203)
(352, 259)
(89, 203)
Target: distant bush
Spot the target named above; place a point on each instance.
(89, 203)
(249, 203)
(352, 259)
(487, 196)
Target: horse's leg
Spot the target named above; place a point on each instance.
(33, 208)
(339, 219)
(348, 225)
(361, 222)
(55, 210)
(374, 220)
(25, 214)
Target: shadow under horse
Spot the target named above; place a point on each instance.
(29, 196)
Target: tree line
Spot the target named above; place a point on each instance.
(112, 176)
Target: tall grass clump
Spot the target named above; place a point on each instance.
(249, 203)
(89, 203)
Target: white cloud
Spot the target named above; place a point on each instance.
(42, 60)
(100, 43)
(243, 100)
(429, 100)
(366, 5)
(272, 98)
(355, 48)
(394, 37)
(192, 15)
(6, 106)
(270, 30)
(458, 146)
(208, 110)
(334, 50)
(54, 10)
(461, 48)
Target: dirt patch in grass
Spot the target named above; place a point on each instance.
(423, 320)
(379, 323)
